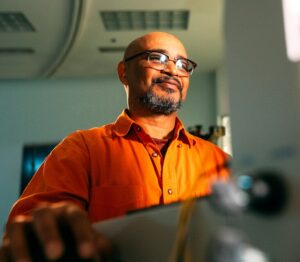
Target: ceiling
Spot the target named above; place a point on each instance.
(63, 38)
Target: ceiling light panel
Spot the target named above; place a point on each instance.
(14, 22)
(143, 20)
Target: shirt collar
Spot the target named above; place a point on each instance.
(124, 123)
(181, 133)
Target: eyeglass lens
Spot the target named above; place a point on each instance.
(160, 60)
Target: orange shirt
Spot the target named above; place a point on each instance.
(116, 168)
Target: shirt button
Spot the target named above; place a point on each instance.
(154, 154)
(179, 145)
(170, 191)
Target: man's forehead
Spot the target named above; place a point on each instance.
(165, 42)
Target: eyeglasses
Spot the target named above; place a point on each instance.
(159, 61)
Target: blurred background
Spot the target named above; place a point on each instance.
(58, 63)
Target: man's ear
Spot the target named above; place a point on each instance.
(121, 73)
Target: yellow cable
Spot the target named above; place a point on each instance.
(179, 251)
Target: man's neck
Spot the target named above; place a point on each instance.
(156, 126)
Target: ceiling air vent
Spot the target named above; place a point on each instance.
(144, 20)
(14, 22)
(16, 51)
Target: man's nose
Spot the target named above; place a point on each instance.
(170, 68)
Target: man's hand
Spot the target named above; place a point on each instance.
(52, 232)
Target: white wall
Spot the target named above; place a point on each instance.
(265, 113)
(222, 92)
(41, 111)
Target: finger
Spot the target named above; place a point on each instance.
(104, 246)
(5, 255)
(82, 230)
(46, 228)
(103, 243)
(17, 240)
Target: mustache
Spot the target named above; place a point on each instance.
(171, 79)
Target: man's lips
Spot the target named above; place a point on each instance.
(168, 80)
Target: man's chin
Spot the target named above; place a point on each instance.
(163, 105)
(161, 100)
(167, 95)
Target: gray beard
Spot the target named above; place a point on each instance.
(160, 105)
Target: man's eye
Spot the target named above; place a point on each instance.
(183, 64)
(157, 58)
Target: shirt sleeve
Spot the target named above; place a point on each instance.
(63, 176)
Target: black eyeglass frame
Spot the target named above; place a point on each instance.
(148, 52)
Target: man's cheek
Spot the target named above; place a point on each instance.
(184, 93)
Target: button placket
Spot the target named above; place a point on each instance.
(154, 154)
(169, 177)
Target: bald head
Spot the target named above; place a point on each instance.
(149, 40)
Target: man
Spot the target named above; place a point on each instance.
(145, 158)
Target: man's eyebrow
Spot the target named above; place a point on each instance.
(160, 50)
(166, 52)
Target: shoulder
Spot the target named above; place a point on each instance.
(207, 147)
(84, 138)
(212, 156)
(82, 134)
